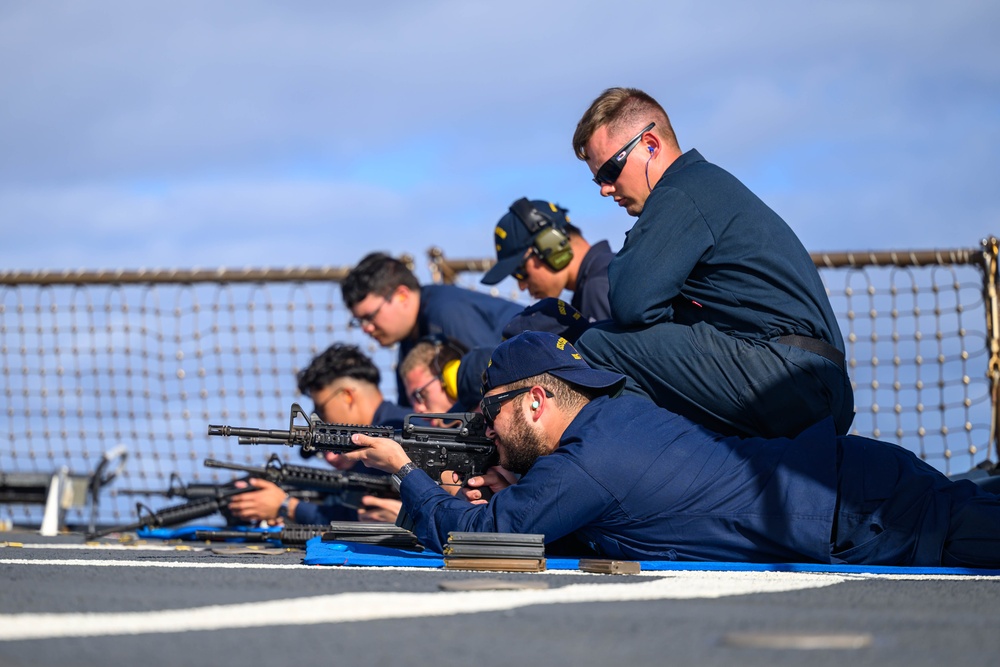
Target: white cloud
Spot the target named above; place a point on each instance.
(158, 135)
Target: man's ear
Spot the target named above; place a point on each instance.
(537, 402)
(652, 143)
(403, 292)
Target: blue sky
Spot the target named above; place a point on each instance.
(188, 134)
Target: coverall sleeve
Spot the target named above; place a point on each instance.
(555, 498)
(663, 248)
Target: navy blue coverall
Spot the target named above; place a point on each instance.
(708, 280)
(634, 481)
(472, 319)
(590, 296)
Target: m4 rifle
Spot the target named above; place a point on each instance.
(177, 514)
(464, 449)
(311, 479)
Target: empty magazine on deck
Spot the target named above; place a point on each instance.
(512, 539)
(382, 534)
(505, 552)
(468, 549)
(496, 564)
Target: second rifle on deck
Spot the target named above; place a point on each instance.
(346, 487)
(178, 514)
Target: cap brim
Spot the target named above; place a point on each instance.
(501, 269)
(592, 378)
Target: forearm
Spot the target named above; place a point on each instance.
(526, 507)
(435, 512)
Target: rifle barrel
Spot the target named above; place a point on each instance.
(243, 432)
(227, 465)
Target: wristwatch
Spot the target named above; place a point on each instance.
(283, 510)
(397, 477)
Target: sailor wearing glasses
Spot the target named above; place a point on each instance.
(623, 478)
(390, 305)
(343, 383)
(441, 376)
(719, 312)
(546, 254)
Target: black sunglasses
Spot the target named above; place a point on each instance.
(491, 404)
(612, 169)
(521, 273)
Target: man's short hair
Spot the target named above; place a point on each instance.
(433, 354)
(337, 361)
(567, 395)
(622, 109)
(377, 273)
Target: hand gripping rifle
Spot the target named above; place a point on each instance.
(464, 449)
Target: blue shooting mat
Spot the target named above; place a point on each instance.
(187, 532)
(356, 554)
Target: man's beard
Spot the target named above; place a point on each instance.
(522, 447)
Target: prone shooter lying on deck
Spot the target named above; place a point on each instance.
(634, 481)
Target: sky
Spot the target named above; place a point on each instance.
(192, 134)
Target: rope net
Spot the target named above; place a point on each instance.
(147, 360)
(84, 368)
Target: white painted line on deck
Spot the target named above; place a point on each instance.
(353, 607)
(155, 563)
(197, 546)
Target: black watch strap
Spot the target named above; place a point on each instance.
(283, 510)
(397, 477)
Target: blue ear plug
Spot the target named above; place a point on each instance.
(650, 148)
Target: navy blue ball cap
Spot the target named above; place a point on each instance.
(512, 239)
(535, 352)
(549, 314)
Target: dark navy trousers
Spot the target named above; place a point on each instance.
(732, 385)
(894, 509)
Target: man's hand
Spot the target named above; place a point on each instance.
(338, 461)
(379, 453)
(260, 505)
(495, 479)
(375, 509)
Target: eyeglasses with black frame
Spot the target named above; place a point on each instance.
(417, 395)
(490, 405)
(320, 408)
(612, 169)
(360, 321)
